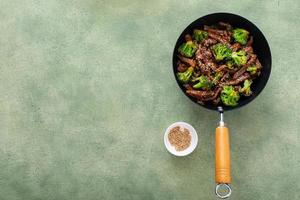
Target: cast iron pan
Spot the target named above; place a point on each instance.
(262, 49)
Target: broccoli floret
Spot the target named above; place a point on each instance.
(187, 49)
(184, 77)
(221, 51)
(246, 90)
(217, 77)
(252, 69)
(200, 35)
(229, 96)
(229, 64)
(239, 58)
(240, 35)
(203, 83)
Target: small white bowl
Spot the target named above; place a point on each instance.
(194, 139)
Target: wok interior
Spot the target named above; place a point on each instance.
(260, 46)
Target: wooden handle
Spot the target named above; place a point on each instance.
(222, 155)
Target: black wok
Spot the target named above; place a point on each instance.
(262, 49)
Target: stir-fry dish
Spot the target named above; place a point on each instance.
(217, 64)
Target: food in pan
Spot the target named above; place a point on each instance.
(217, 64)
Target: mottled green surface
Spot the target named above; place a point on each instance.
(87, 90)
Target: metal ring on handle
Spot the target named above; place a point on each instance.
(220, 195)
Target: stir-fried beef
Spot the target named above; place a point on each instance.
(218, 64)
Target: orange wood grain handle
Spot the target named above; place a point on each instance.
(222, 155)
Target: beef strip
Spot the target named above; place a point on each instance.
(188, 86)
(216, 101)
(222, 36)
(221, 68)
(226, 25)
(206, 28)
(236, 46)
(212, 65)
(218, 37)
(216, 93)
(199, 54)
(204, 68)
(250, 42)
(200, 94)
(204, 95)
(238, 80)
(226, 76)
(258, 65)
(252, 59)
(181, 67)
(188, 37)
(227, 37)
(239, 72)
(189, 61)
(248, 49)
(209, 41)
(231, 71)
(217, 31)
(203, 53)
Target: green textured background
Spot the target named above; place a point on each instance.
(87, 90)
